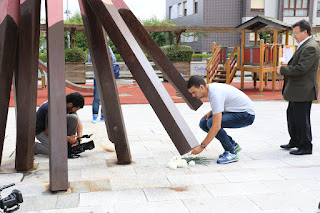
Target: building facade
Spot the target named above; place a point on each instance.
(231, 13)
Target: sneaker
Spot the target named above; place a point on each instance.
(94, 119)
(237, 148)
(101, 118)
(228, 157)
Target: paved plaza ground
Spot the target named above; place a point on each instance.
(265, 179)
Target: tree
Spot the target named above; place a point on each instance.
(159, 37)
(80, 37)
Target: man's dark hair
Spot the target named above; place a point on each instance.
(196, 81)
(76, 99)
(304, 25)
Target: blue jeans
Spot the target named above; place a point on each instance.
(96, 100)
(229, 120)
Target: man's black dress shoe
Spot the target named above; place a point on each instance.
(287, 146)
(301, 152)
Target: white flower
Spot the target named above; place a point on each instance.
(282, 59)
(177, 162)
(183, 164)
(176, 158)
(173, 165)
(192, 163)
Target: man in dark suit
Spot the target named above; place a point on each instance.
(301, 88)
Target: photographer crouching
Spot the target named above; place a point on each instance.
(74, 102)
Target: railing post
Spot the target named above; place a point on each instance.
(228, 71)
(213, 47)
(261, 65)
(238, 58)
(208, 71)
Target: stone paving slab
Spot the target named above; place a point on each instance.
(265, 179)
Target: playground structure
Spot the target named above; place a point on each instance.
(20, 23)
(259, 59)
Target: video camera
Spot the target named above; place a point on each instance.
(74, 151)
(11, 202)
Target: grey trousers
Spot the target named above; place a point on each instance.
(43, 146)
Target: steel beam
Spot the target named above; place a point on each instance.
(26, 78)
(145, 76)
(9, 24)
(147, 43)
(57, 97)
(106, 82)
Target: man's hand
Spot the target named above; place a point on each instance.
(73, 140)
(207, 116)
(197, 150)
(278, 69)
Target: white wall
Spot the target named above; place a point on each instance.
(270, 8)
(174, 11)
(180, 9)
(316, 20)
(244, 19)
(190, 7)
(292, 20)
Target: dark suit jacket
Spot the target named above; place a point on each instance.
(301, 73)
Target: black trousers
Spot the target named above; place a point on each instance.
(299, 126)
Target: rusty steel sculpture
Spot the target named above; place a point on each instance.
(19, 49)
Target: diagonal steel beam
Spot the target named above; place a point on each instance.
(57, 97)
(26, 78)
(155, 53)
(9, 24)
(106, 82)
(142, 71)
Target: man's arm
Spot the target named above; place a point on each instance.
(80, 127)
(216, 126)
(207, 116)
(306, 61)
(113, 57)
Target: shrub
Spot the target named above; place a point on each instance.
(180, 53)
(199, 57)
(43, 57)
(75, 55)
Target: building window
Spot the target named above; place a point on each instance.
(170, 12)
(296, 7)
(318, 5)
(257, 5)
(179, 10)
(195, 6)
(184, 8)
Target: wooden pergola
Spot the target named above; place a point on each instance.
(73, 28)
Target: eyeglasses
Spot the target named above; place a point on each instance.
(295, 33)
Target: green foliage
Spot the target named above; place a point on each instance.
(75, 19)
(118, 56)
(81, 41)
(43, 57)
(75, 55)
(114, 50)
(180, 53)
(80, 37)
(158, 37)
(42, 49)
(199, 160)
(265, 36)
(199, 57)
